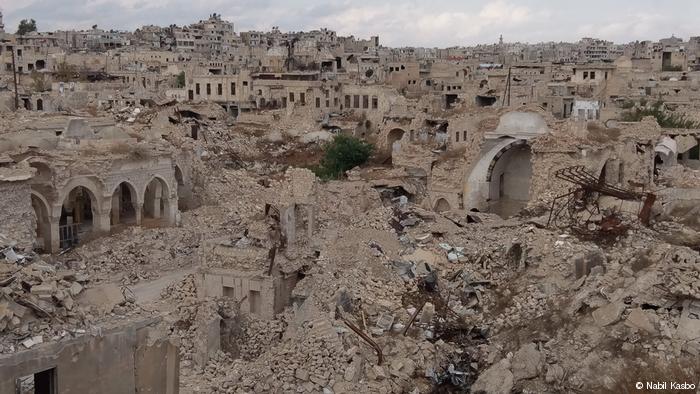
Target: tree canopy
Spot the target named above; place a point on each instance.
(26, 26)
(342, 154)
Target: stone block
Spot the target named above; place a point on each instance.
(608, 314)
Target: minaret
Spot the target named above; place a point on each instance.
(2, 25)
(500, 40)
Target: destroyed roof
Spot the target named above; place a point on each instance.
(16, 173)
(205, 110)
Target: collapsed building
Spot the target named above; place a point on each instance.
(515, 228)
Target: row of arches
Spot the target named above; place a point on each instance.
(82, 212)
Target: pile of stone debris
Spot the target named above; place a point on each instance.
(33, 292)
(54, 301)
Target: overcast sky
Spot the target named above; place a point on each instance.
(428, 23)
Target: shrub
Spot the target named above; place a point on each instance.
(663, 117)
(39, 82)
(341, 154)
(65, 72)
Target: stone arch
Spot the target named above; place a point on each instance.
(179, 179)
(157, 201)
(39, 104)
(441, 205)
(497, 156)
(125, 204)
(500, 181)
(393, 139)
(92, 185)
(80, 212)
(43, 172)
(43, 221)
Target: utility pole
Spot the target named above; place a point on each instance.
(506, 92)
(14, 78)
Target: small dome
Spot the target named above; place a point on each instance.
(514, 123)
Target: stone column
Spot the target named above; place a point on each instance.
(54, 240)
(116, 207)
(288, 223)
(100, 221)
(138, 208)
(170, 213)
(153, 201)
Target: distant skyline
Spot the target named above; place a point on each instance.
(434, 23)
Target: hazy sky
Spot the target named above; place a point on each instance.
(398, 22)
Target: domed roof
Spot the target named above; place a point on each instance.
(521, 123)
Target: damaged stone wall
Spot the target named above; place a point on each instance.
(128, 358)
(451, 168)
(17, 217)
(625, 152)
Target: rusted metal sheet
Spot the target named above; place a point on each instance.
(584, 194)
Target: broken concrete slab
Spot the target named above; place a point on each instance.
(608, 314)
(526, 362)
(75, 289)
(689, 323)
(640, 320)
(497, 379)
(104, 297)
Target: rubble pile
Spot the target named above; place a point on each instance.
(259, 335)
(38, 290)
(315, 359)
(187, 328)
(181, 293)
(41, 301)
(136, 254)
(278, 282)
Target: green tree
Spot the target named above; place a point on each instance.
(65, 72)
(26, 26)
(341, 154)
(180, 81)
(663, 117)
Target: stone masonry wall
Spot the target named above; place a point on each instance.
(17, 218)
